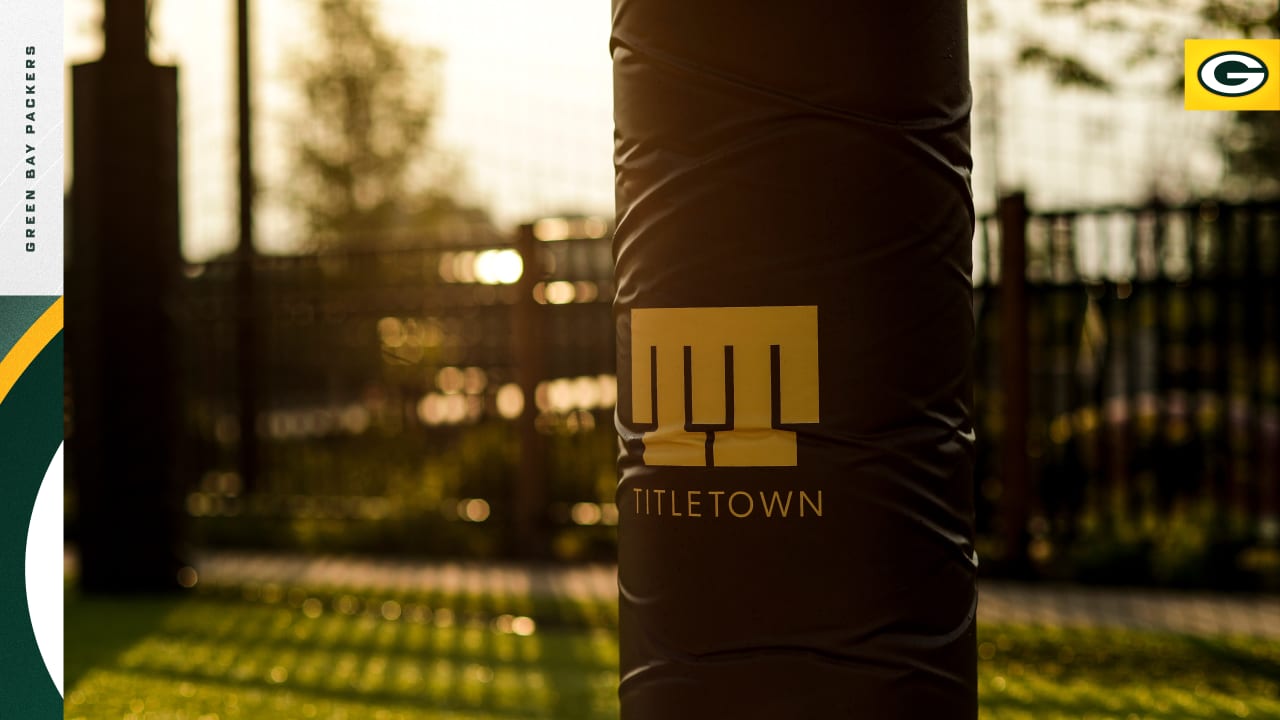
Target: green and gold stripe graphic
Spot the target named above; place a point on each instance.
(29, 345)
(30, 432)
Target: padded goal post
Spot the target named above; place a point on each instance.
(794, 325)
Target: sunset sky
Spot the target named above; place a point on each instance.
(527, 110)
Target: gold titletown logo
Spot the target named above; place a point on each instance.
(711, 387)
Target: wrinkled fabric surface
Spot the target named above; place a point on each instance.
(811, 156)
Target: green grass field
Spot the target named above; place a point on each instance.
(274, 653)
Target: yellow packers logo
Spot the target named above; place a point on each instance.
(1232, 75)
(713, 386)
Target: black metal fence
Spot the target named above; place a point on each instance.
(1127, 394)
(1129, 410)
(398, 391)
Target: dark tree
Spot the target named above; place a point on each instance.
(1250, 143)
(365, 172)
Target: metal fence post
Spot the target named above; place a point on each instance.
(248, 366)
(529, 495)
(1014, 378)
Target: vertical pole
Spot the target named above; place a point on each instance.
(529, 495)
(1015, 377)
(1243, 231)
(247, 366)
(121, 292)
(124, 30)
(1268, 516)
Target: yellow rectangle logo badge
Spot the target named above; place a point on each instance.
(712, 386)
(1232, 75)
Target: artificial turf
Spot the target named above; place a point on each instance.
(269, 652)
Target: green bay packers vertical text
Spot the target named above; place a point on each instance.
(30, 142)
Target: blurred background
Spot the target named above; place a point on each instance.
(340, 366)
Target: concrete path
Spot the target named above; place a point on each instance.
(1000, 602)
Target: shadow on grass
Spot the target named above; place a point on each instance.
(99, 628)
(1045, 672)
(1241, 658)
(285, 656)
(265, 653)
